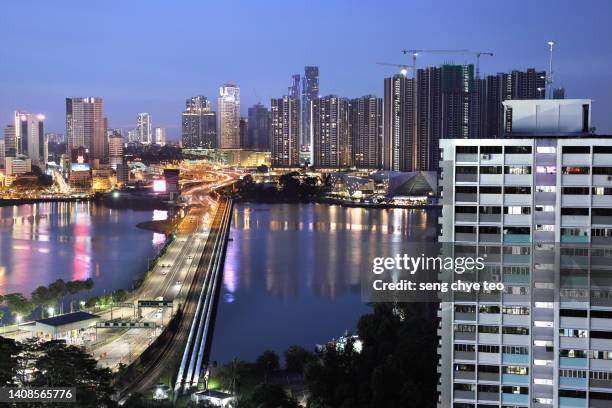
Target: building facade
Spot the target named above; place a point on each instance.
(144, 128)
(365, 121)
(285, 131)
(330, 133)
(159, 136)
(310, 92)
(199, 124)
(536, 206)
(259, 128)
(115, 149)
(229, 116)
(398, 122)
(85, 126)
(30, 138)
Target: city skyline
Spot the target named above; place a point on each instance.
(162, 88)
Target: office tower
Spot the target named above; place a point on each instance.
(243, 129)
(10, 141)
(559, 93)
(259, 127)
(56, 138)
(199, 124)
(398, 122)
(365, 121)
(115, 149)
(536, 206)
(330, 132)
(85, 126)
(159, 136)
(144, 128)
(30, 137)
(2, 156)
(229, 116)
(310, 92)
(529, 84)
(284, 127)
(294, 88)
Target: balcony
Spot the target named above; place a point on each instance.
(602, 159)
(489, 358)
(465, 355)
(518, 179)
(602, 180)
(461, 394)
(515, 398)
(488, 338)
(465, 237)
(464, 375)
(544, 236)
(491, 179)
(544, 217)
(511, 278)
(517, 219)
(598, 403)
(571, 382)
(566, 402)
(515, 339)
(491, 199)
(576, 159)
(546, 179)
(576, 179)
(517, 238)
(517, 259)
(517, 199)
(515, 358)
(488, 396)
(526, 159)
(469, 317)
(489, 318)
(516, 320)
(573, 200)
(488, 376)
(488, 159)
(601, 240)
(465, 336)
(467, 158)
(515, 379)
(568, 362)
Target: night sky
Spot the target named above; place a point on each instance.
(149, 56)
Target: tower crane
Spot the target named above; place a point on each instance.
(477, 54)
(403, 67)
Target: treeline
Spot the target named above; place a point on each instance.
(34, 363)
(291, 187)
(44, 297)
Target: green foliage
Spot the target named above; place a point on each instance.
(18, 304)
(120, 295)
(267, 396)
(9, 361)
(297, 358)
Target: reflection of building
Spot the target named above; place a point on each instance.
(531, 204)
(85, 126)
(229, 116)
(199, 124)
(285, 129)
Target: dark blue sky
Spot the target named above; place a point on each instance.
(149, 56)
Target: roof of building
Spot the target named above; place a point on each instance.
(214, 394)
(67, 319)
(422, 184)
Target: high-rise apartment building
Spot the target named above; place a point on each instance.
(331, 135)
(229, 116)
(10, 141)
(159, 136)
(199, 124)
(85, 126)
(285, 130)
(2, 156)
(30, 138)
(144, 128)
(428, 124)
(259, 127)
(243, 130)
(310, 92)
(366, 124)
(535, 205)
(115, 149)
(398, 121)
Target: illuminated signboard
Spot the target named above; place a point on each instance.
(79, 167)
(159, 186)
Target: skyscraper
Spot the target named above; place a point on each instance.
(159, 136)
(456, 85)
(229, 116)
(144, 128)
(30, 137)
(10, 141)
(294, 88)
(244, 133)
(310, 92)
(398, 122)
(285, 131)
(115, 149)
(365, 120)
(85, 126)
(428, 118)
(199, 124)
(259, 127)
(330, 132)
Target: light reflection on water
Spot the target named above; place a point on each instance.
(292, 272)
(40, 243)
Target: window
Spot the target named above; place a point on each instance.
(465, 328)
(606, 171)
(517, 250)
(575, 170)
(467, 149)
(490, 170)
(575, 232)
(546, 169)
(488, 388)
(465, 367)
(514, 210)
(574, 211)
(572, 313)
(465, 189)
(546, 189)
(602, 212)
(516, 290)
(487, 348)
(465, 347)
(517, 231)
(576, 149)
(601, 355)
(516, 270)
(465, 309)
(573, 353)
(576, 190)
(464, 387)
(602, 149)
(517, 170)
(515, 350)
(490, 190)
(488, 329)
(490, 210)
(515, 370)
(490, 149)
(598, 334)
(545, 228)
(605, 396)
(601, 375)
(515, 390)
(516, 310)
(545, 208)
(467, 169)
(601, 232)
(546, 149)
(572, 373)
(518, 149)
(515, 330)
(602, 191)
(572, 393)
(579, 333)
(601, 314)
(465, 209)
(517, 190)
(489, 309)
(465, 229)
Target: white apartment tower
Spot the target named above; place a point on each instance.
(537, 205)
(229, 116)
(144, 128)
(30, 138)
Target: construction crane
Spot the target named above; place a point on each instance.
(403, 67)
(477, 54)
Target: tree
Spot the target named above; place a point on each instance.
(267, 396)
(232, 374)
(297, 358)
(9, 361)
(60, 365)
(18, 304)
(266, 363)
(120, 295)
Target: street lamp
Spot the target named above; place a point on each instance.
(51, 311)
(18, 318)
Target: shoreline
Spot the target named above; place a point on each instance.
(342, 203)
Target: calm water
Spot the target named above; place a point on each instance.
(292, 272)
(40, 243)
